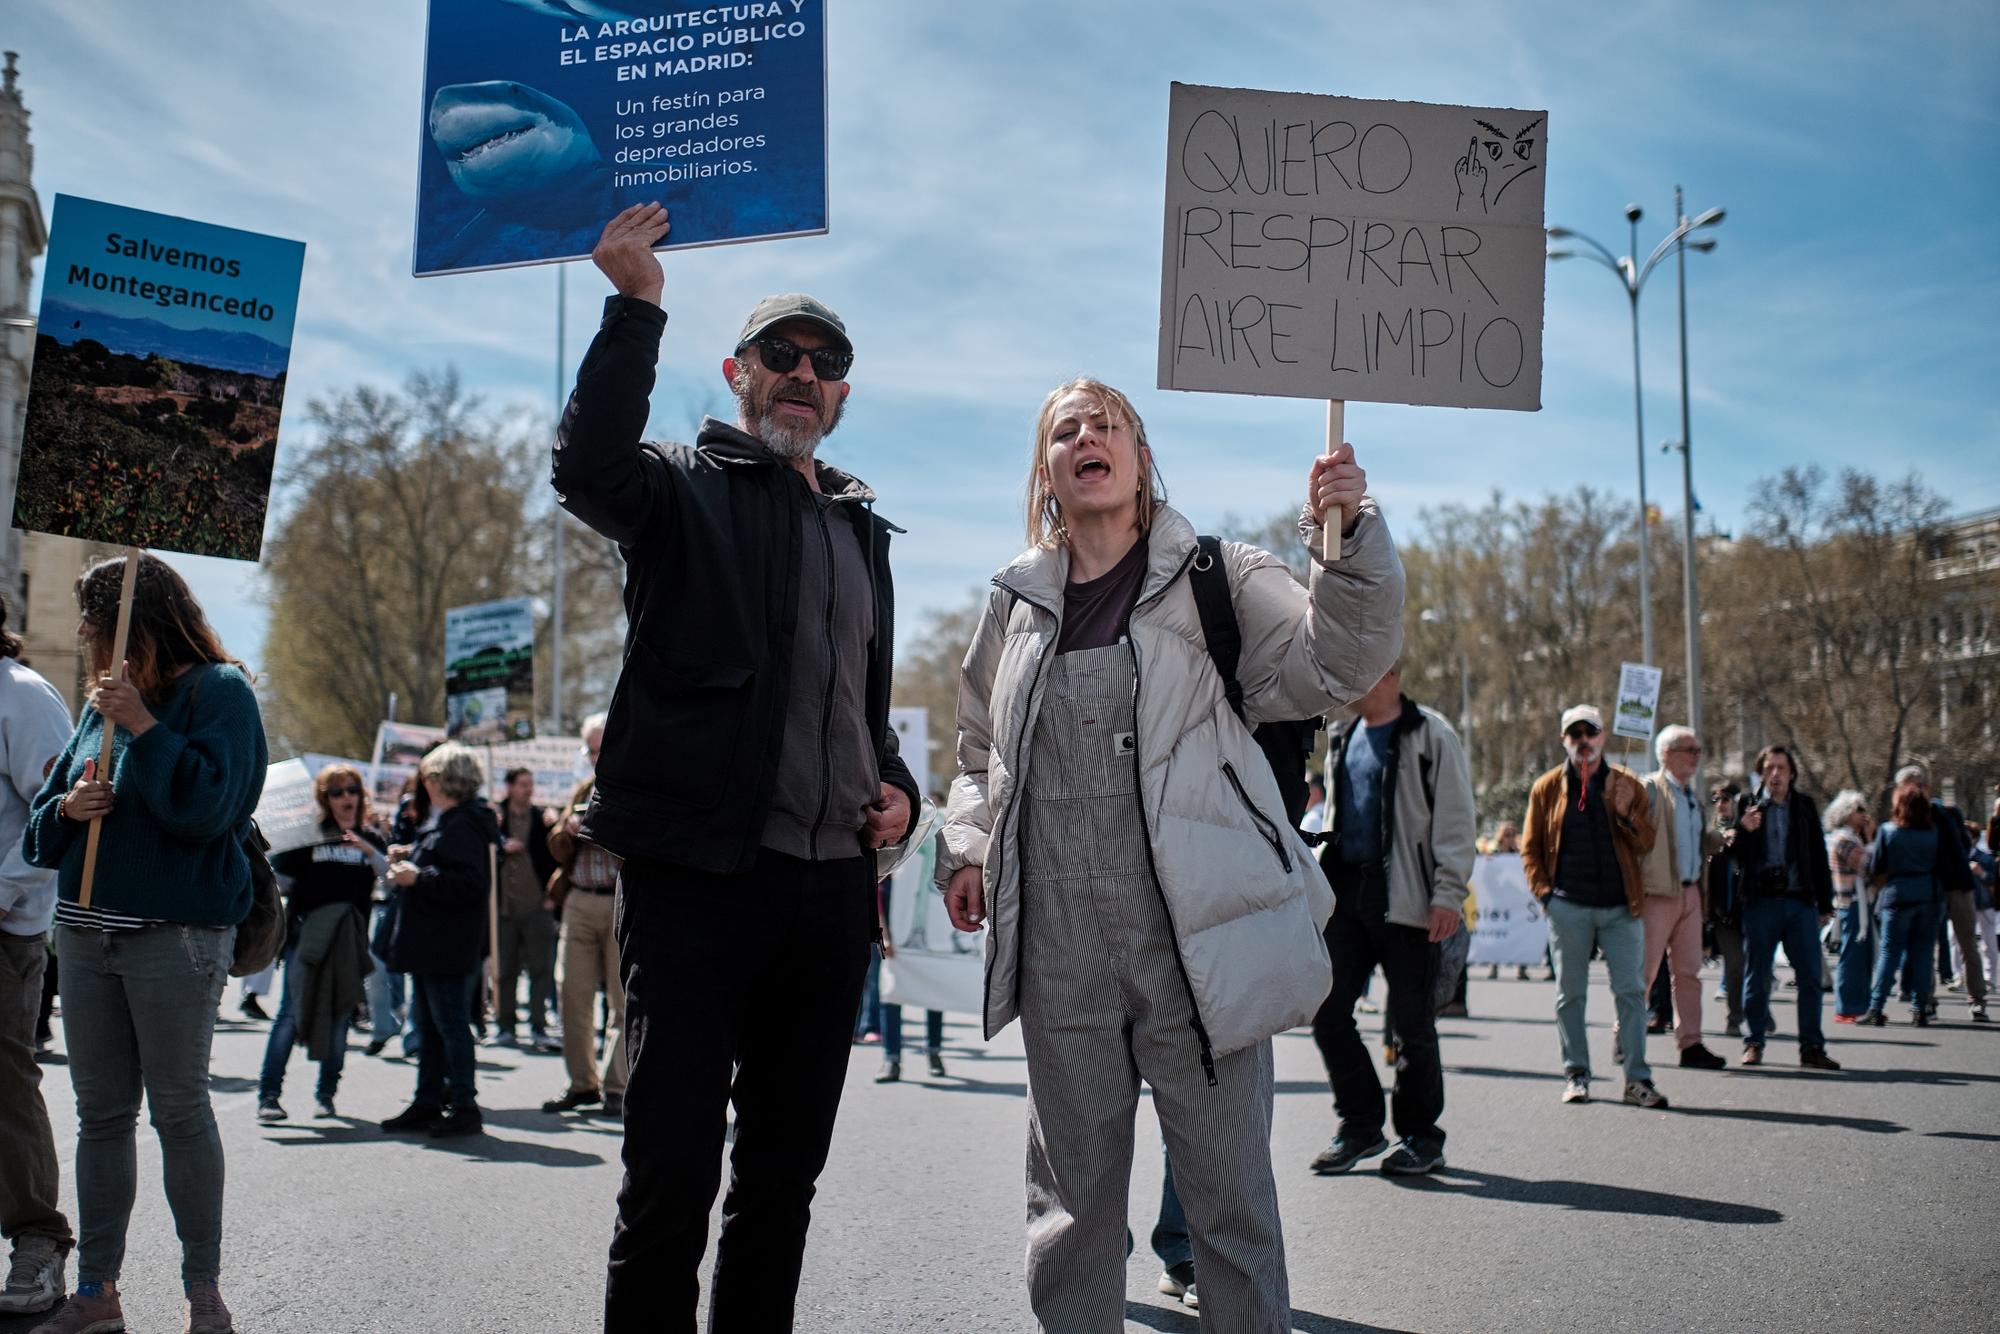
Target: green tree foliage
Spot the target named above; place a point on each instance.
(405, 504)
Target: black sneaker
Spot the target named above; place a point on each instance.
(375, 1046)
(1413, 1159)
(937, 1066)
(1343, 1153)
(614, 1106)
(573, 1099)
(1699, 1057)
(458, 1121)
(1815, 1058)
(251, 1009)
(890, 1073)
(269, 1110)
(417, 1116)
(323, 1107)
(1875, 1019)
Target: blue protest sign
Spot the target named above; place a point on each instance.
(543, 118)
(159, 376)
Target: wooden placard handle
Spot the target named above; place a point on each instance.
(493, 925)
(1334, 519)
(119, 643)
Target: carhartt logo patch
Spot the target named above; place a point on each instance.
(1125, 743)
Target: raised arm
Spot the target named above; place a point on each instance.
(601, 472)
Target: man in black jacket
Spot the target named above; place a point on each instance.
(747, 776)
(1787, 888)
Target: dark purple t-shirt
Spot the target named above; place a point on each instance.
(1095, 612)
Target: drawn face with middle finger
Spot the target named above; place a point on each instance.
(1507, 157)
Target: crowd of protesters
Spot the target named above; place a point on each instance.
(1128, 719)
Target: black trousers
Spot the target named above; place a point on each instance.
(1358, 941)
(755, 979)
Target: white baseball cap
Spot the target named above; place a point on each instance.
(1582, 713)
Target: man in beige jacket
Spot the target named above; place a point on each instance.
(1673, 874)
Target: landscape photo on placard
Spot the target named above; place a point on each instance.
(158, 381)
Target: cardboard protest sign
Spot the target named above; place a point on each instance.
(1638, 701)
(1335, 248)
(489, 672)
(1510, 926)
(542, 119)
(158, 379)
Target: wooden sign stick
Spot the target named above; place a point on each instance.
(1336, 518)
(105, 756)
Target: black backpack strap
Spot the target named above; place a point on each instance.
(1210, 583)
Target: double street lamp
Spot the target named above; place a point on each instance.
(1632, 275)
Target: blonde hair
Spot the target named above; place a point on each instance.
(1045, 521)
(456, 771)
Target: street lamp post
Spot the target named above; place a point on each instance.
(1690, 597)
(1632, 277)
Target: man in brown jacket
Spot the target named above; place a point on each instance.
(585, 888)
(1588, 830)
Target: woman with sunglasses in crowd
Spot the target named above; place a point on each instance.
(145, 959)
(334, 874)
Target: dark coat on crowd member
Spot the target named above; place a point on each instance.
(539, 856)
(1806, 843)
(441, 918)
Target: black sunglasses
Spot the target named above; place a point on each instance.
(1577, 731)
(343, 792)
(779, 355)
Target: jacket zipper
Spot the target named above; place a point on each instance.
(832, 676)
(1263, 822)
(1000, 835)
(1138, 775)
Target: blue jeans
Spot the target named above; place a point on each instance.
(1854, 975)
(385, 989)
(892, 1032)
(1573, 931)
(1906, 930)
(139, 1018)
(442, 1006)
(285, 1032)
(1768, 923)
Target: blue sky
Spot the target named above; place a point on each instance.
(996, 193)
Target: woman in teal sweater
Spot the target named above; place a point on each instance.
(144, 964)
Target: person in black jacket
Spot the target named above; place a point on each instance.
(1787, 890)
(340, 867)
(439, 936)
(747, 776)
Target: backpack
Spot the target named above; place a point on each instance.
(1287, 744)
(260, 937)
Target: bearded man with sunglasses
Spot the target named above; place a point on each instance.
(1583, 846)
(747, 777)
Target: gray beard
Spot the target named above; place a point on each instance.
(788, 437)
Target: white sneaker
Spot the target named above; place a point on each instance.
(1641, 1093)
(35, 1278)
(1178, 1282)
(1577, 1089)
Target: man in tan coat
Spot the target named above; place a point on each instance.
(1674, 873)
(585, 888)
(1588, 829)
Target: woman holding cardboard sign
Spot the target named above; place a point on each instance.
(144, 961)
(1153, 916)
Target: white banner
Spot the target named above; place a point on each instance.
(1638, 701)
(1511, 926)
(934, 966)
(287, 813)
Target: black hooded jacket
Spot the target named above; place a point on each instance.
(711, 536)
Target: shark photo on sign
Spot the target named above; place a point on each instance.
(522, 156)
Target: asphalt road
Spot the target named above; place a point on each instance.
(1776, 1199)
